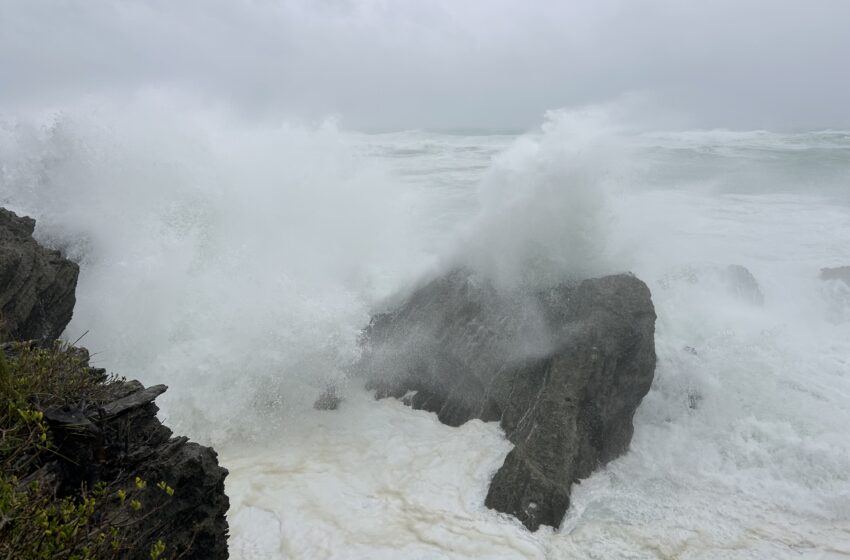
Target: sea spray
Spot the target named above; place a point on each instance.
(740, 448)
(233, 261)
(543, 203)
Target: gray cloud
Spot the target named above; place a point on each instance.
(440, 63)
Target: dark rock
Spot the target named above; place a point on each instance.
(123, 439)
(840, 273)
(68, 417)
(562, 369)
(328, 400)
(121, 390)
(36, 285)
(133, 400)
(194, 519)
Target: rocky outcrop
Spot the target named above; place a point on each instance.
(113, 436)
(118, 438)
(562, 369)
(36, 284)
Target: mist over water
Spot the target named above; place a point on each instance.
(236, 262)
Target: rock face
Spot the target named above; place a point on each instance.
(36, 285)
(563, 370)
(122, 439)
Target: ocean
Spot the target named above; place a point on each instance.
(237, 261)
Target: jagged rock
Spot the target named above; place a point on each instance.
(562, 369)
(123, 439)
(133, 400)
(840, 273)
(36, 285)
(193, 521)
(121, 390)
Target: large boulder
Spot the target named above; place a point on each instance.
(36, 284)
(562, 369)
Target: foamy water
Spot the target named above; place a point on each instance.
(237, 262)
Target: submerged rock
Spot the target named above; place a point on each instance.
(562, 369)
(36, 284)
(840, 273)
(741, 283)
(733, 281)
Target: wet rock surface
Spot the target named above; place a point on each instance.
(562, 369)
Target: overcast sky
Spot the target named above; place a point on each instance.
(440, 63)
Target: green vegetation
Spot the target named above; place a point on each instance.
(41, 517)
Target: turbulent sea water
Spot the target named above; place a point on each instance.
(236, 262)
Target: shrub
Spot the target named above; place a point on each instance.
(41, 517)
